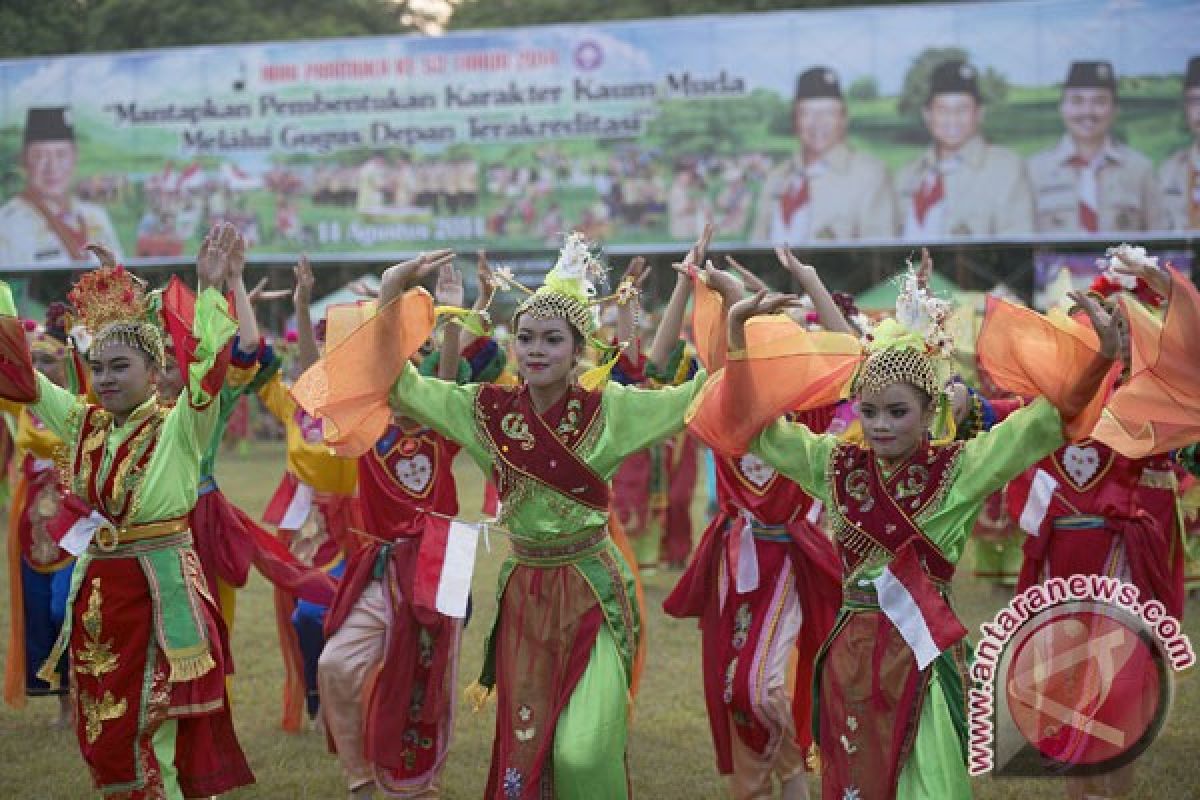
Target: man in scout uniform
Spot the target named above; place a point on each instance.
(44, 225)
(1088, 183)
(1180, 174)
(961, 185)
(827, 190)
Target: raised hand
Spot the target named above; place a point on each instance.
(698, 254)
(752, 281)
(724, 284)
(925, 268)
(222, 255)
(449, 288)
(636, 273)
(102, 253)
(761, 303)
(401, 277)
(302, 294)
(488, 283)
(1107, 325)
(803, 273)
(960, 400)
(362, 289)
(261, 292)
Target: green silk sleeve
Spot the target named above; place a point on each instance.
(636, 418)
(58, 409)
(799, 454)
(189, 428)
(446, 407)
(8, 306)
(993, 458)
(190, 425)
(213, 327)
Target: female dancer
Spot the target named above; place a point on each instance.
(148, 649)
(890, 686)
(315, 510)
(1095, 511)
(652, 490)
(389, 668)
(563, 650)
(764, 582)
(39, 571)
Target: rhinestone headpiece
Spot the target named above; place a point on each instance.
(114, 307)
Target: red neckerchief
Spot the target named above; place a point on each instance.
(73, 238)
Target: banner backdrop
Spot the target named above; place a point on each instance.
(844, 127)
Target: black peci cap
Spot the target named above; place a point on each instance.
(818, 82)
(1191, 78)
(48, 125)
(954, 77)
(1091, 75)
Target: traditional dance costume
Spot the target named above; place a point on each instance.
(563, 651)
(566, 594)
(1189, 499)
(227, 540)
(387, 673)
(315, 511)
(996, 538)
(643, 489)
(765, 585)
(389, 668)
(148, 649)
(891, 716)
(1096, 512)
(39, 571)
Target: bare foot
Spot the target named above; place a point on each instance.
(66, 714)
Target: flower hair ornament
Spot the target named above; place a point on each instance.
(915, 348)
(568, 291)
(1111, 282)
(114, 308)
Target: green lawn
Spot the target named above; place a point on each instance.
(669, 750)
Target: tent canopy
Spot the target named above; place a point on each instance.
(882, 296)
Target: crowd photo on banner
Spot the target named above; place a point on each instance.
(576, 412)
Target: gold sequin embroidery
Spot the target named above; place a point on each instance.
(96, 657)
(515, 427)
(98, 711)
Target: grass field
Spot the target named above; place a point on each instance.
(669, 749)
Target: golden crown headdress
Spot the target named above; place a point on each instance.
(914, 347)
(114, 307)
(568, 291)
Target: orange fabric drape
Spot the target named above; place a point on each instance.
(1032, 355)
(1158, 408)
(784, 368)
(708, 326)
(348, 388)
